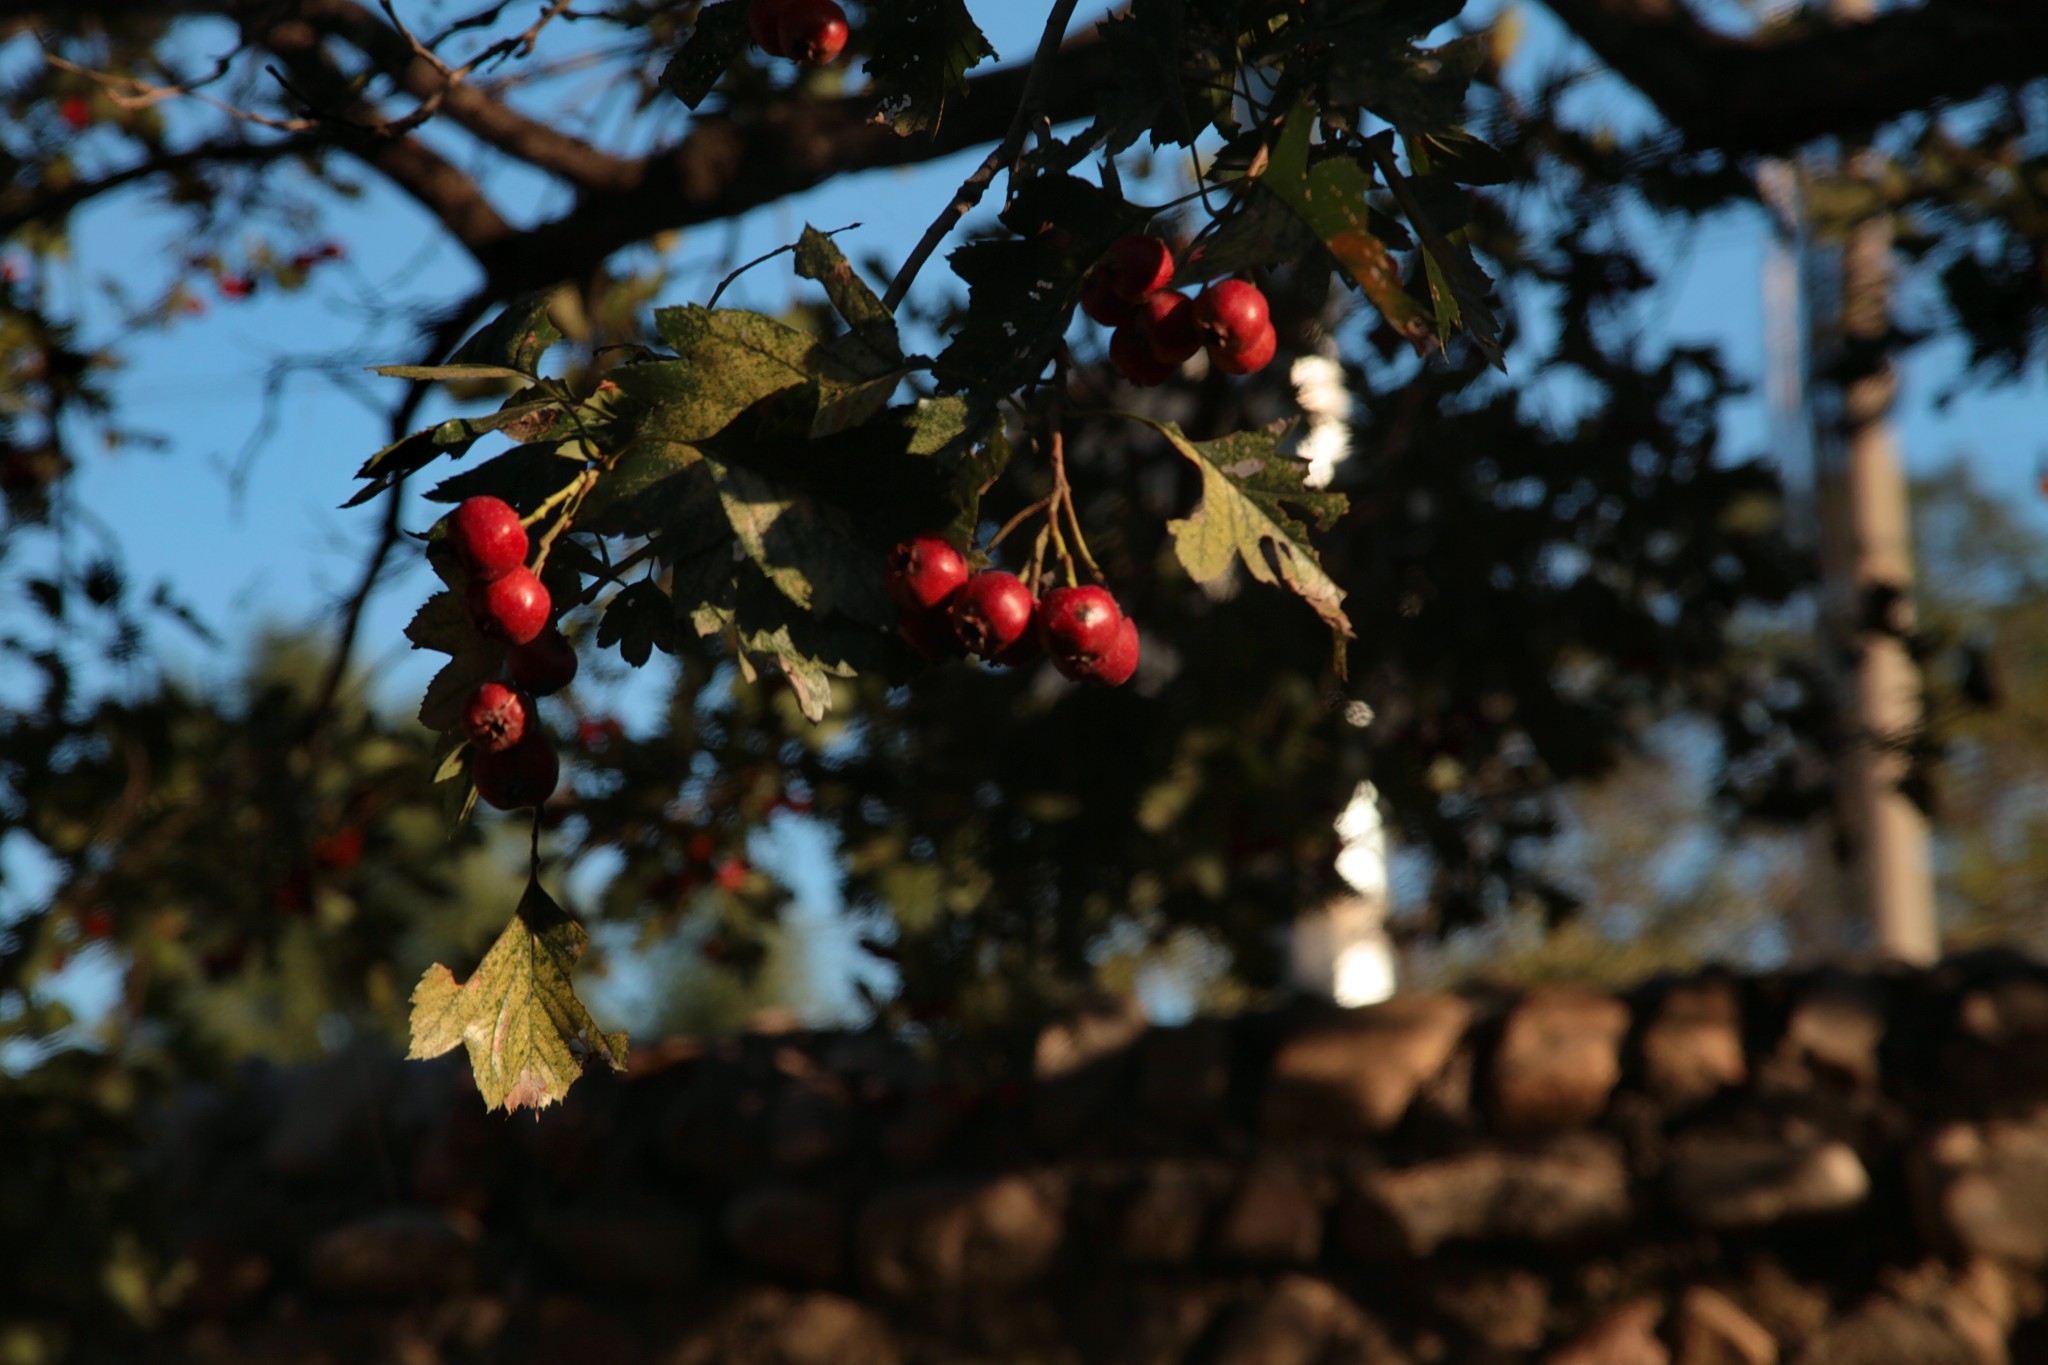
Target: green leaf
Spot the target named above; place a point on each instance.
(819, 258)
(919, 54)
(1456, 282)
(727, 360)
(1244, 518)
(714, 45)
(801, 547)
(524, 476)
(1173, 83)
(638, 620)
(441, 707)
(447, 373)
(652, 486)
(516, 339)
(452, 438)
(442, 623)
(518, 1015)
(1462, 157)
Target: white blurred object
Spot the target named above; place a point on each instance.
(1325, 400)
(1342, 952)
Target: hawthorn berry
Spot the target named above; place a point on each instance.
(1236, 326)
(1255, 354)
(496, 717)
(812, 32)
(523, 775)
(341, 850)
(992, 612)
(1132, 355)
(75, 111)
(488, 535)
(1078, 625)
(513, 607)
(543, 665)
(1137, 265)
(1101, 303)
(235, 286)
(924, 572)
(1115, 668)
(1167, 322)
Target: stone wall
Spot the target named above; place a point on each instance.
(1816, 1169)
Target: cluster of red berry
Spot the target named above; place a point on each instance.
(515, 763)
(1159, 329)
(948, 610)
(812, 32)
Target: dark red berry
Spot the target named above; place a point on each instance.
(924, 572)
(1132, 355)
(496, 717)
(1167, 322)
(764, 25)
(1115, 668)
(523, 775)
(486, 533)
(543, 665)
(928, 631)
(341, 850)
(1101, 303)
(1230, 314)
(513, 608)
(812, 32)
(1136, 266)
(992, 612)
(1078, 625)
(75, 111)
(235, 286)
(1254, 354)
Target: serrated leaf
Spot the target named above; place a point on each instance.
(524, 476)
(442, 623)
(919, 54)
(713, 46)
(441, 707)
(452, 438)
(1466, 159)
(526, 1031)
(819, 258)
(638, 620)
(447, 373)
(1456, 282)
(799, 546)
(1173, 84)
(652, 486)
(727, 360)
(516, 339)
(1247, 517)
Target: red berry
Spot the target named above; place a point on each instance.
(96, 924)
(486, 532)
(928, 631)
(513, 608)
(76, 111)
(235, 286)
(701, 847)
(1078, 625)
(1114, 668)
(812, 32)
(330, 251)
(598, 732)
(1231, 313)
(341, 850)
(992, 613)
(731, 874)
(1167, 322)
(764, 25)
(1136, 266)
(1132, 355)
(523, 775)
(1254, 354)
(1101, 303)
(924, 572)
(496, 717)
(543, 665)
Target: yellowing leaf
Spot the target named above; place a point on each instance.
(518, 1015)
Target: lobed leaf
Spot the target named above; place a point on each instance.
(919, 54)
(718, 40)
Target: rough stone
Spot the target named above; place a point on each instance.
(1628, 1337)
(1168, 1210)
(1352, 1074)
(398, 1253)
(1184, 1073)
(1275, 1217)
(1082, 1067)
(788, 1231)
(1502, 1310)
(1558, 1060)
(808, 1124)
(774, 1327)
(1990, 1188)
(624, 1248)
(1834, 1032)
(1726, 1182)
(1303, 1321)
(1713, 1330)
(939, 1236)
(1886, 1332)
(1575, 1187)
(1692, 1049)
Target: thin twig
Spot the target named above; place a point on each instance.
(977, 184)
(764, 259)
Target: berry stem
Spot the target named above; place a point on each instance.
(1014, 522)
(569, 499)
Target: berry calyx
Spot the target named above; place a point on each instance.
(496, 717)
(1254, 354)
(487, 534)
(764, 25)
(1167, 322)
(1102, 303)
(812, 32)
(1115, 667)
(1131, 353)
(543, 665)
(1078, 625)
(1137, 265)
(523, 775)
(1232, 316)
(923, 572)
(513, 607)
(992, 612)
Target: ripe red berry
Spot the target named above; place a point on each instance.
(543, 665)
(812, 32)
(1136, 266)
(1167, 322)
(1254, 354)
(1078, 625)
(992, 613)
(523, 775)
(1100, 302)
(96, 924)
(486, 532)
(924, 572)
(1132, 355)
(764, 25)
(75, 111)
(341, 850)
(1231, 313)
(513, 607)
(235, 286)
(496, 717)
(1114, 668)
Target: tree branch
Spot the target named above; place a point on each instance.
(1773, 92)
